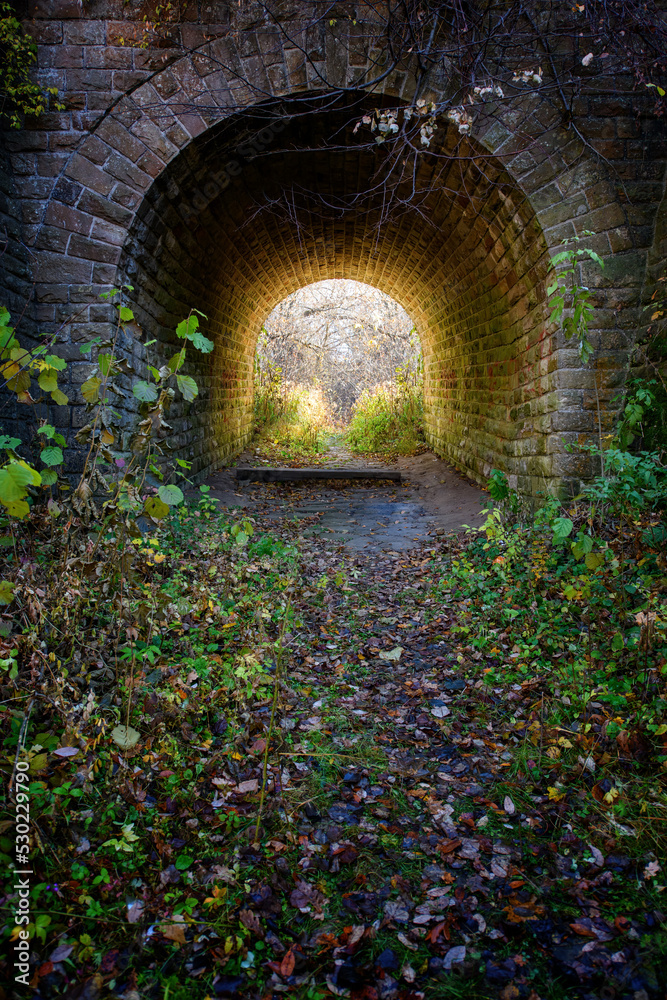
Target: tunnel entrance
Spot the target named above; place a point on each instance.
(338, 337)
(263, 204)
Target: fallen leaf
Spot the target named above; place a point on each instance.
(454, 956)
(173, 932)
(135, 911)
(125, 737)
(246, 787)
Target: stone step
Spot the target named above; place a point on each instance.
(247, 474)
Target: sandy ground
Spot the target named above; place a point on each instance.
(432, 498)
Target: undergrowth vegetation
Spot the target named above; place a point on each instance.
(292, 422)
(388, 420)
(245, 762)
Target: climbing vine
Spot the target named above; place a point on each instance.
(19, 94)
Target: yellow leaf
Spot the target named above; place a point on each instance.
(155, 508)
(594, 559)
(611, 796)
(554, 794)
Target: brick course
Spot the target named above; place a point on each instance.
(126, 184)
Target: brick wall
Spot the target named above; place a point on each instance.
(156, 174)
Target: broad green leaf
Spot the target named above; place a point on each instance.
(617, 642)
(155, 508)
(55, 362)
(594, 559)
(201, 342)
(90, 390)
(6, 591)
(188, 387)
(105, 361)
(38, 763)
(48, 430)
(49, 477)
(562, 527)
(171, 495)
(14, 481)
(177, 361)
(144, 391)
(18, 508)
(9, 442)
(126, 314)
(59, 398)
(84, 348)
(52, 456)
(48, 380)
(187, 327)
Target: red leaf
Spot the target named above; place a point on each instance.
(287, 964)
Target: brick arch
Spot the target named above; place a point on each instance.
(469, 267)
(500, 389)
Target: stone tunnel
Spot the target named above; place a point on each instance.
(169, 175)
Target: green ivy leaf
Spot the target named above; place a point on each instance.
(171, 495)
(144, 391)
(188, 387)
(182, 862)
(617, 642)
(48, 430)
(126, 314)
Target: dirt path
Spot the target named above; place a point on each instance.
(409, 848)
(383, 516)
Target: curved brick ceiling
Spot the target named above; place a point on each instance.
(468, 264)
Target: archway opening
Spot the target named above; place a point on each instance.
(468, 264)
(338, 364)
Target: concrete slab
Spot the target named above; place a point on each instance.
(254, 474)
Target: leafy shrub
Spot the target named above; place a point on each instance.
(388, 419)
